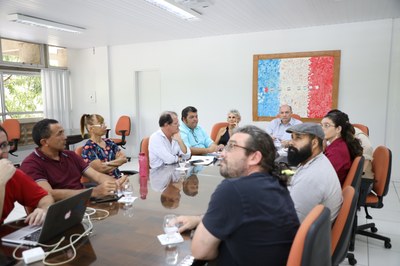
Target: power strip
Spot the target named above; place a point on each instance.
(33, 255)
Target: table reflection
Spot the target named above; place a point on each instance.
(170, 182)
(129, 234)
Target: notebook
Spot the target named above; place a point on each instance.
(60, 216)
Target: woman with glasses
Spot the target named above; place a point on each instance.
(102, 154)
(225, 133)
(342, 147)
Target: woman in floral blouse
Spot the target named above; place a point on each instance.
(102, 154)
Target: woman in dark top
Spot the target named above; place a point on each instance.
(225, 133)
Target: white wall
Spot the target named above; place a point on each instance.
(89, 73)
(214, 74)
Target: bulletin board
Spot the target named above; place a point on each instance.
(307, 81)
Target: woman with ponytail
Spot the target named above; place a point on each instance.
(102, 154)
(342, 147)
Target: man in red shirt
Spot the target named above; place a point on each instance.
(15, 185)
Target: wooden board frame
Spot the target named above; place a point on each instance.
(307, 81)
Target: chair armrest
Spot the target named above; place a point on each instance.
(123, 132)
(129, 172)
(365, 189)
(14, 147)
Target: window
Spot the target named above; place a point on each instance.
(21, 95)
(21, 53)
(20, 81)
(57, 56)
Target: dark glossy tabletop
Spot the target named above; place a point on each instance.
(129, 235)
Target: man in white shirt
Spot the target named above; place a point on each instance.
(166, 144)
(278, 126)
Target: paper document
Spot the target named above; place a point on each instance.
(172, 239)
(201, 160)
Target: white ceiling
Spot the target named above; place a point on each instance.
(114, 22)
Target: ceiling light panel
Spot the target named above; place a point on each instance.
(180, 12)
(44, 23)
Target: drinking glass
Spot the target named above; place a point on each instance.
(128, 193)
(169, 225)
(182, 162)
(171, 254)
(277, 143)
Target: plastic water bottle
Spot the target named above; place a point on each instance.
(143, 165)
(143, 187)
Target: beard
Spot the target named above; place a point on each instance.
(297, 156)
(232, 170)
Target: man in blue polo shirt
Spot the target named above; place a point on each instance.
(194, 136)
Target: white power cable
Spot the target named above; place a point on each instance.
(87, 218)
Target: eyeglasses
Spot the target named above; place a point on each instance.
(5, 146)
(230, 146)
(101, 125)
(326, 125)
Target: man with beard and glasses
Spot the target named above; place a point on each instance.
(315, 181)
(251, 218)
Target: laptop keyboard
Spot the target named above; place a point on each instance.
(34, 236)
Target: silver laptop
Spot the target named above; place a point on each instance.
(60, 216)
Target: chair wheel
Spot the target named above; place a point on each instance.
(388, 245)
(374, 229)
(352, 261)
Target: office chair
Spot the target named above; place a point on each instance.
(362, 127)
(13, 129)
(343, 226)
(87, 183)
(312, 243)
(353, 179)
(296, 116)
(381, 167)
(216, 127)
(123, 129)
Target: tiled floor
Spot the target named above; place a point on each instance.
(371, 252)
(368, 252)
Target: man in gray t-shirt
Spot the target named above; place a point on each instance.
(315, 181)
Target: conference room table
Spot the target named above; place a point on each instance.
(128, 236)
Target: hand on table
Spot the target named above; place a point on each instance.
(107, 188)
(188, 222)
